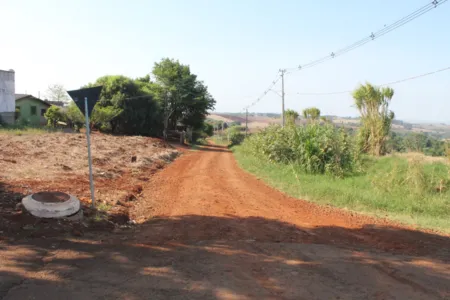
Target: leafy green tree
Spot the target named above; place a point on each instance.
(103, 115)
(184, 99)
(376, 118)
(415, 142)
(395, 143)
(53, 115)
(291, 115)
(312, 113)
(74, 115)
(208, 128)
(127, 106)
(236, 135)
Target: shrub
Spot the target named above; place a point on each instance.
(208, 129)
(75, 116)
(235, 135)
(314, 148)
(412, 177)
(53, 115)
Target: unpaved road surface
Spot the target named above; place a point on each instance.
(208, 230)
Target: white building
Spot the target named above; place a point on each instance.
(7, 99)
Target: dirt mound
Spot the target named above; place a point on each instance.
(58, 161)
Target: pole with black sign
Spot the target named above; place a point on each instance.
(90, 96)
(88, 138)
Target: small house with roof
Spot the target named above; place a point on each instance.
(30, 110)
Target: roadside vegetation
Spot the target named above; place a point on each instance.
(358, 171)
(172, 99)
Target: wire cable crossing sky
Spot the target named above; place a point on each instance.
(373, 36)
(384, 84)
(238, 47)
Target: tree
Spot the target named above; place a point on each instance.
(74, 115)
(127, 106)
(57, 93)
(312, 113)
(103, 115)
(208, 129)
(53, 115)
(376, 118)
(184, 99)
(236, 135)
(291, 116)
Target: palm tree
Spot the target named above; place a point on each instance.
(312, 113)
(376, 120)
(291, 116)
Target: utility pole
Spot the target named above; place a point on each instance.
(282, 95)
(246, 121)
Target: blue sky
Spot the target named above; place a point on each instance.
(236, 47)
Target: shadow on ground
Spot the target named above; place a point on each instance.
(213, 148)
(208, 257)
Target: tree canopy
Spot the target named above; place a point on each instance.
(146, 107)
(312, 113)
(376, 118)
(184, 98)
(291, 116)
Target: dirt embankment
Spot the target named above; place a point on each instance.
(58, 162)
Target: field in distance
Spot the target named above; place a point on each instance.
(257, 121)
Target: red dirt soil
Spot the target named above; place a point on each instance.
(209, 183)
(208, 230)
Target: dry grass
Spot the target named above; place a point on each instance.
(417, 156)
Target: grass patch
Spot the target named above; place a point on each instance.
(408, 191)
(221, 140)
(104, 207)
(22, 130)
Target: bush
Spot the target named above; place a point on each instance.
(53, 115)
(235, 135)
(75, 116)
(314, 148)
(208, 129)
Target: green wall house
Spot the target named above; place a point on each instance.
(30, 110)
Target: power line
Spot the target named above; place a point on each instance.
(265, 92)
(373, 36)
(384, 84)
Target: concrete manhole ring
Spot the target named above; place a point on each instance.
(51, 204)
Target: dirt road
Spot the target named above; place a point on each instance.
(208, 230)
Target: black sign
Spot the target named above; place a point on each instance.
(92, 94)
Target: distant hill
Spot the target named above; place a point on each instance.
(258, 121)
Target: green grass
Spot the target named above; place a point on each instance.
(390, 187)
(21, 130)
(104, 206)
(220, 140)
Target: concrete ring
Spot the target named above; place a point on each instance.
(44, 205)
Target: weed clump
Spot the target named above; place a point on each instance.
(314, 148)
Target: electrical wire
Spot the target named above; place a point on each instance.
(265, 92)
(380, 85)
(374, 35)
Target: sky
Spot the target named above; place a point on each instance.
(236, 47)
